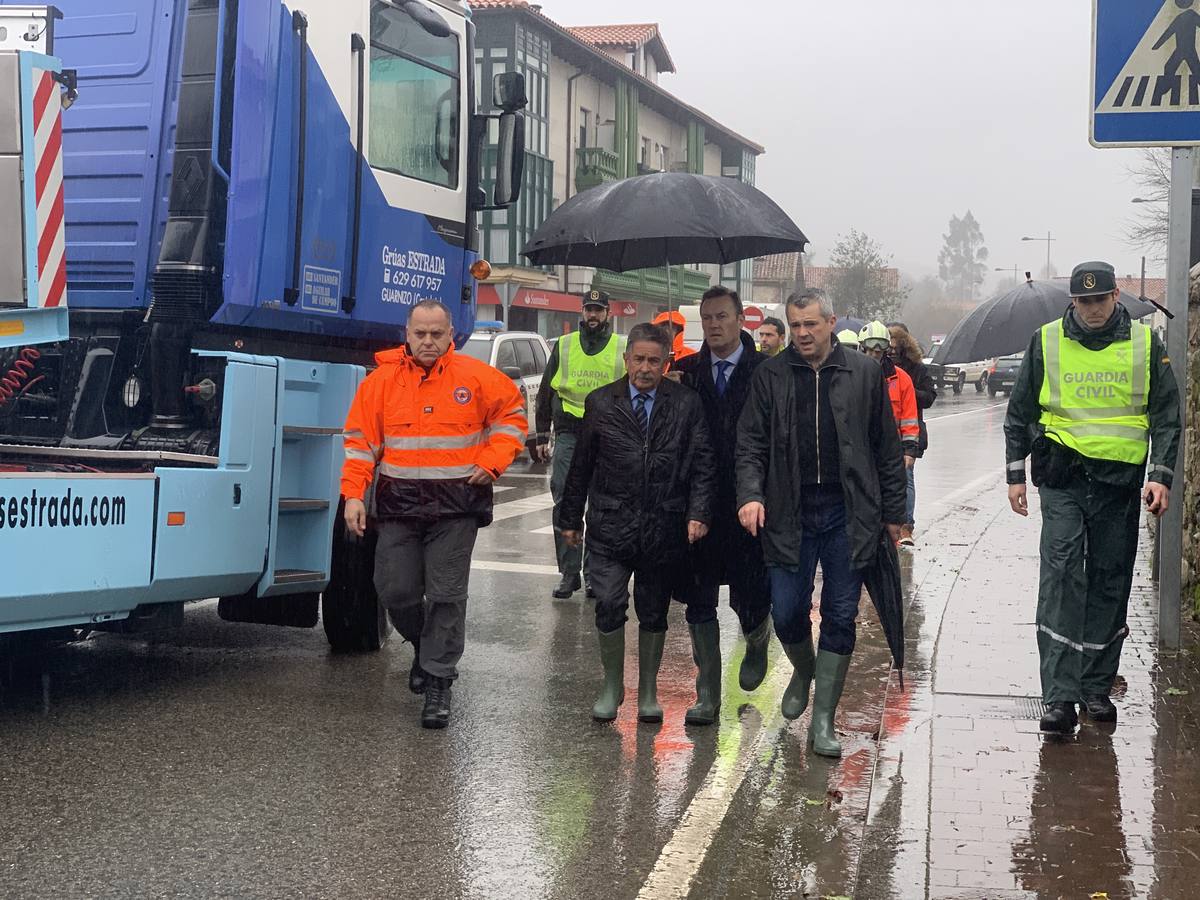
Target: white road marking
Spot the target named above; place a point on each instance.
(969, 412)
(499, 488)
(491, 565)
(680, 860)
(525, 475)
(968, 489)
(549, 529)
(524, 506)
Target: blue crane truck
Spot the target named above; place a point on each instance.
(212, 214)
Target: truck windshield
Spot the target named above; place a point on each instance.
(414, 98)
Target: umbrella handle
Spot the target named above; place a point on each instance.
(1162, 309)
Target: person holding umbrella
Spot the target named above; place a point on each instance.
(1094, 401)
(720, 373)
(584, 360)
(644, 467)
(820, 477)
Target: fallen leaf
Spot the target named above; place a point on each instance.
(811, 802)
(1099, 895)
(1176, 692)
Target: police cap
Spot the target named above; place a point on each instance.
(596, 298)
(1091, 279)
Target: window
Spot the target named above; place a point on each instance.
(664, 160)
(585, 124)
(478, 347)
(414, 98)
(525, 358)
(506, 356)
(539, 354)
(646, 151)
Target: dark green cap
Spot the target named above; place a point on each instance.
(1090, 279)
(596, 298)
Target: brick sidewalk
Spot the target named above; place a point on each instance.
(968, 799)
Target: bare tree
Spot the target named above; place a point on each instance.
(1147, 228)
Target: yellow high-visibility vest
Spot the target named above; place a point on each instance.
(1095, 401)
(579, 374)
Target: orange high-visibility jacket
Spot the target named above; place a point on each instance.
(904, 405)
(427, 432)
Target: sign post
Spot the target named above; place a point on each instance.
(1146, 93)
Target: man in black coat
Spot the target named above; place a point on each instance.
(644, 468)
(720, 373)
(819, 475)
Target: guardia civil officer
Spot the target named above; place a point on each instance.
(1094, 400)
(579, 363)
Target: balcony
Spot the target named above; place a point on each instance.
(593, 166)
(650, 285)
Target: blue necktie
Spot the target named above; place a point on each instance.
(639, 410)
(723, 366)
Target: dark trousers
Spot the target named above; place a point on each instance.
(421, 574)
(823, 519)
(651, 592)
(749, 591)
(1089, 544)
(570, 559)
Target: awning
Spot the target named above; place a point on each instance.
(538, 299)
(487, 296)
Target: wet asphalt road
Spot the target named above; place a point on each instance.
(237, 760)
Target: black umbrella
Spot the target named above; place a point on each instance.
(882, 581)
(1004, 324)
(660, 219)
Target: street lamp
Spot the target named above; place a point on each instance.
(1048, 239)
(1015, 270)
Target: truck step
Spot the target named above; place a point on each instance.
(302, 504)
(298, 432)
(298, 576)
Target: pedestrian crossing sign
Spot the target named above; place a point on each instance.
(1145, 73)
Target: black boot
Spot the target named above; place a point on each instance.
(417, 677)
(1060, 718)
(1100, 708)
(591, 591)
(436, 713)
(569, 585)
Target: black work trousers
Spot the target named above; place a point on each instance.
(651, 592)
(421, 574)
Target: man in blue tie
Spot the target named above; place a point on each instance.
(643, 466)
(720, 373)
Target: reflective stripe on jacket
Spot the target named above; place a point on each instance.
(427, 431)
(1095, 401)
(579, 374)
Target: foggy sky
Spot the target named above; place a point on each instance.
(891, 117)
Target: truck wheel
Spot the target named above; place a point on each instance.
(354, 619)
(958, 385)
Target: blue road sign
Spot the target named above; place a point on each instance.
(1145, 73)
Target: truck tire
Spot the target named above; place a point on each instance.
(958, 385)
(354, 619)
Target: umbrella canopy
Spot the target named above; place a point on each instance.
(664, 218)
(855, 325)
(882, 581)
(1004, 324)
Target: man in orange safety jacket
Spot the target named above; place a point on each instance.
(439, 428)
(677, 323)
(875, 340)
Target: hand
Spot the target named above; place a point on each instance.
(753, 516)
(909, 461)
(480, 475)
(540, 452)
(696, 530)
(893, 532)
(355, 515)
(1018, 499)
(573, 538)
(1157, 497)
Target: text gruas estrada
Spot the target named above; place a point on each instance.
(410, 276)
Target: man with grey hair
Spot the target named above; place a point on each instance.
(644, 467)
(820, 476)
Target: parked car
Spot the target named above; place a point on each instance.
(521, 355)
(1003, 374)
(957, 375)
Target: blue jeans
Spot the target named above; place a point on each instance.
(911, 504)
(825, 540)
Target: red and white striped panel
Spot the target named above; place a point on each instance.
(47, 156)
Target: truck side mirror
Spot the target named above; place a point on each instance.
(508, 91)
(510, 159)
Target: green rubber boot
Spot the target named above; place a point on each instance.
(706, 652)
(831, 678)
(650, 650)
(795, 695)
(754, 663)
(612, 657)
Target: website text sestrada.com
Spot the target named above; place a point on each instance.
(67, 510)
